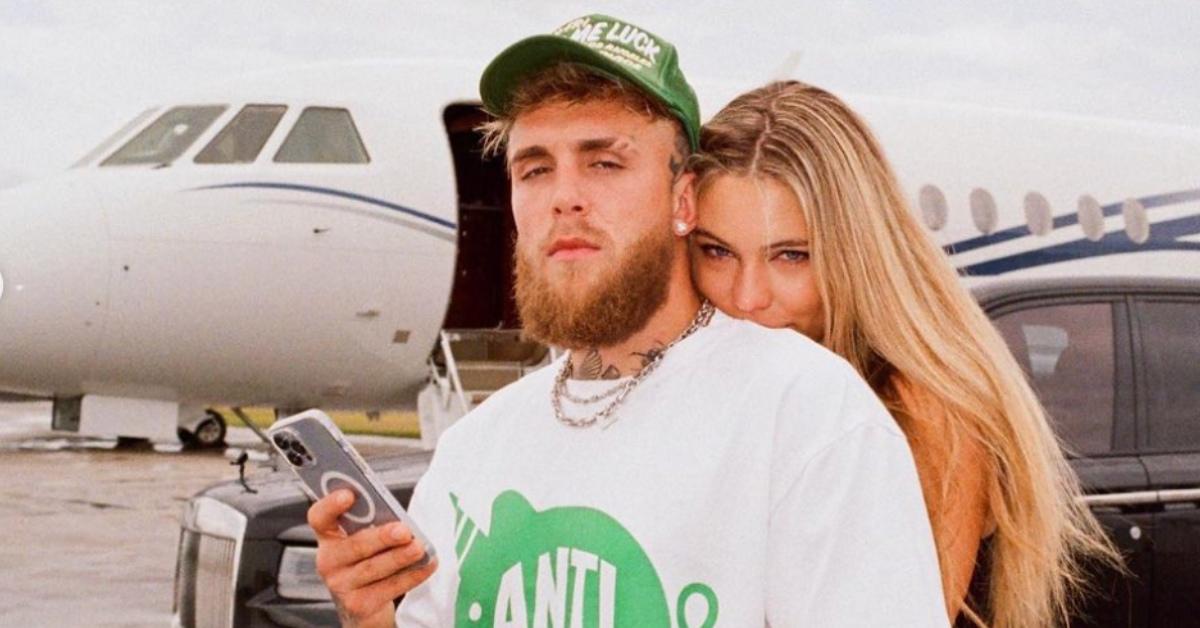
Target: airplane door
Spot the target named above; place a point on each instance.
(482, 293)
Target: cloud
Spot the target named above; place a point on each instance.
(9, 179)
(1093, 66)
(70, 72)
(1034, 47)
(26, 12)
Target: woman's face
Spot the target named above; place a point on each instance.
(749, 253)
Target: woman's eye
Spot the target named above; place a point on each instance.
(792, 256)
(715, 251)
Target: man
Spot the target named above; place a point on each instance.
(678, 467)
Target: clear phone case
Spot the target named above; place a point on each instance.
(325, 461)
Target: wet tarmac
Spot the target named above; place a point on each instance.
(90, 530)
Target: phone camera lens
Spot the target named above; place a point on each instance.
(283, 441)
(295, 458)
(299, 448)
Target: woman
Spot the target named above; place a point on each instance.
(801, 224)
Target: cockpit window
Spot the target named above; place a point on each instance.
(323, 135)
(108, 142)
(241, 140)
(167, 137)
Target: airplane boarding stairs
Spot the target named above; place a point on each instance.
(466, 367)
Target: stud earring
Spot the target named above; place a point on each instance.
(680, 227)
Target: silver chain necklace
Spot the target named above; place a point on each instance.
(621, 391)
(566, 394)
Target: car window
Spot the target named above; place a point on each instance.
(1067, 352)
(323, 135)
(167, 137)
(241, 140)
(1170, 333)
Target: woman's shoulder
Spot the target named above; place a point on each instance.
(921, 413)
(932, 423)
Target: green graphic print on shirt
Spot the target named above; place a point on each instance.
(568, 567)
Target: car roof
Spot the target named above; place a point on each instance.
(991, 293)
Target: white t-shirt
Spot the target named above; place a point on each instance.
(752, 479)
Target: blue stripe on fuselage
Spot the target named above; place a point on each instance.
(338, 193)
(1165, 235)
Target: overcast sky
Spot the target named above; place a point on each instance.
(72, 72)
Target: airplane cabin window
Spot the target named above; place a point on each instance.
(1038, 216)
(167, 137)
(112, 139)
(1137, 225)
(1091, 218)
(1067, 353)
(323, 135)
(241, 140)
(1170, 332)
(933, 207)
(983, 210)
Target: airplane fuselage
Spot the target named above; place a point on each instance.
(272, 282)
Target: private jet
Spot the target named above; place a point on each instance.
(332, 236)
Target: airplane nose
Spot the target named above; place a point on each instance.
(53, 291)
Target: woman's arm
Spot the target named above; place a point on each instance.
(954, 481)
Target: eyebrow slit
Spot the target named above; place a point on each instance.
(615, 144)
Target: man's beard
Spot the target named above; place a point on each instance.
(613, 308)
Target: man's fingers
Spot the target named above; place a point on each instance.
(388, 589)
(336, 554)
(367, 600)
(385, 565)
(365, 571)
(323, 514)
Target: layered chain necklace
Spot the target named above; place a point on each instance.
(622, 390)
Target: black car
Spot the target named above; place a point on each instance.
(1115, 361)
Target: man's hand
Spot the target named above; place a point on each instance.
(368, 570)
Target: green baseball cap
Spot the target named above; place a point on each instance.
(614, 47)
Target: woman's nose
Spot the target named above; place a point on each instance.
(751, 289)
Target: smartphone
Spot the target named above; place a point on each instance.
(325, 461)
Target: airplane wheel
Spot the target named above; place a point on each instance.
(210, 432)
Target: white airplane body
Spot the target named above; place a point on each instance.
(155, 288)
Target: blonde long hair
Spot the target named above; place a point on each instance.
(895, 309)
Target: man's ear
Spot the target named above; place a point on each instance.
(683, 210)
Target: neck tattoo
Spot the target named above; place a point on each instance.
(605, 416)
